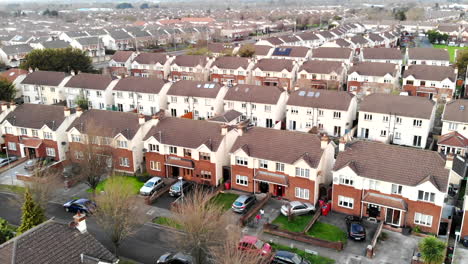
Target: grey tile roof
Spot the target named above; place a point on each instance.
(36, 116)
(410, 106)
(430, 72)
(194, 88)
(428, 54)
(254, 94)
(226, 117)
(16, 49)
(190, 60)
(151, 58)
(274, 65)
(324, 99)
(332, 53)
(456, 110)
(89, 81)
(55, 44)
(48, 78)
(374, 69)
(228, 62)
(140, 85)
(382, 54)
(322, 67)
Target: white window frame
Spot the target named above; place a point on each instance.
(345, 202)
(50, 152)
(48, 135)
(122, 144)
(263, 164)
(242, 180)
(302, 193)
(12, 146)
(302, 172)
(396, 188)
(279, 166)
(347, 180)
(155, 165)
(423, 219)
(124, 162)
(242, 161)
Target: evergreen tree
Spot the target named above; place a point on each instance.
(7, 90)
(63, 60)
(33, 214)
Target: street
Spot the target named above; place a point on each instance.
(145, 245)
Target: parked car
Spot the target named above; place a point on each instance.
(297, 208)
(286, 257)
(6, 161)
(151, 186)
(179, 187)
(177, 258)
(34, 163)
(83, 206)
(243, 203)
(253, 244)
(71, 170)
(356, 229)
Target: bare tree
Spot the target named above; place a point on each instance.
(116, 213)
(43, 184)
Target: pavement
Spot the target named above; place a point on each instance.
(460, 255)
(8, 176)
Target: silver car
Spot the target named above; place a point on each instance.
(243, 203)
(297, 208)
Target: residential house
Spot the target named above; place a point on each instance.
(92, 46)
(195, 100)
(403, 187)
(272, 72)
(318, 74)
(190, 67)
(52, 44)
(69, 36)
(373, 77)
(298, 54)
(230, 117)
(13, 55)
(118, 40)
(120, 63)
(37, 130)
(230, 71)
(310, 39)
(435, 82)
(44, 87)
(377, 40)
(220, 49)
(264, 105)
(453, 31)
(260, 51)
(454, 137)
(15, 76)
(155, 65)
(271, 41)
(330, 112)
(95, 89)
(396, 119)
(344, 55)
(286, 164)
(383, 55)
(428, 56)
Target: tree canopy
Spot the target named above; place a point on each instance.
(462, 61)
(432, 250)
(64, 60)
(33, 214)
(435, 36)
(7, 90)
(6, 231)
(247, 51)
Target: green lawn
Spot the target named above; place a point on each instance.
(225, 200)
(11, 188)
(296, 225)
(315, 259)
(166, 221)
(327, 232)
(130, 181)
(450, 49)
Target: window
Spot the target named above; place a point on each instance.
(294, 111)
(153, 147)
(452, 126)
(417, 122)
(119, 95)
(337, 115)
(79, 155)
(279, 167)
(155, 165)
(396, 189)
(98, 93)
(35, 133)
(208, 102)
(385, 119)
(320, 112)
(173, 99)
(187, 152)
(397, 135)
(244, 105)
(387, 81)
(12, 146)
(253, 106)
(124, 162)
(383, 133)
(398, 120)
(24, 131)
(205, 175)
(345, 202)
(301, 172)
(309, 111)
(242, 180)
(268, 108)
(422, 219)
(426, 196)
(368, 117)
(172, 150)
(241, 161)
(346, 180)
(50, 152)
(263, 164)
(75, 138)
(373, 185)
(417, 141)
(302, 193)
(8, 130)
(122, 144)
(151, 97)
(205, 156)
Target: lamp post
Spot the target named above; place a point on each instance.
(181, 187)
(9, 165)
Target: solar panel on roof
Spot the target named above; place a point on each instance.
(301, 93)
(310, 94)
(212, 86)
(317, 94)
(282, 52)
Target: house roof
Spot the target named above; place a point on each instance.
(220, 47)
(374, 69)
(453, 139)
(107, 123)
(410, 106)
(140, 85)
(325, 99)
(274, 65)
(261, 50)
(274, 40)
(332, 53)
(428, 54)
(121, 55)
(36, 116)
(12, 74)
(76, 34)
(322, 67)
(16, 49)
(342, 43)
(187, 133)
(280, 145)
(56, 44)
(226, 117)
(53, 242)
(254, 94)
(290, 38)
(456, 110)
(308, 36)
(190, 60)
(89, 41)
(228, 62)
(194, 88)
(151, 58)
(375, 37)
(395, 164)
(291, 51)
(430, 72)
(119, 34)
(89, 81)
(358, 39)
(326, 34)
(48, 78)
(382, 54)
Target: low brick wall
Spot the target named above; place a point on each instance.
(370, 250)
(150, 199)
(254, 210)
(274, 230)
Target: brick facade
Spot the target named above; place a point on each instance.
(464, 227)
(271, 81)
(150, 73)
(16, 140)
(319, 84)
(195, 76)
(40, 152)
(372, 87)
(224, 78)
(425, 91)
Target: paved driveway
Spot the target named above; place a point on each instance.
(8, 176)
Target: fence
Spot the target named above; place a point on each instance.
(370, 251)
(312, 221)
(245, 218)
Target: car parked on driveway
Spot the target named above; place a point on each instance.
(83, 206)
(179, 187)
(151, 186)
(36, 163)
(253, 244)
(355, 228)
(286, 257)
(243, 203)
(6, 161)
(177, 258)
(297, 208)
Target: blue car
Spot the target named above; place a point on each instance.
(83, 206)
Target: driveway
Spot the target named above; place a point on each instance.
(8, 177)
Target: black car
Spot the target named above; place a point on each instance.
(177, 258)
(286, 257)
(83, 206)
(356, 229)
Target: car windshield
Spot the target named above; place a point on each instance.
(357, 228)
(236, 203)
(296, 259)
(175, 188)
(149, 184)
(259, 244)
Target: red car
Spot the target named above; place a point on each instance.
(254, 244)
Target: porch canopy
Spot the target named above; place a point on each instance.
(32, 142)
(385, 201)
(179, 162)
(270, 177)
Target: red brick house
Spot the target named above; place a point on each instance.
(37, 130)
(190, 67)
(435, 82)
(286, 164)
(373, 77)
(404, 187)
(273, 72)
(149, 64)
(316, 74)
(231, 70)
(193, 149)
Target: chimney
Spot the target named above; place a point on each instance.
(241, 129)
(4, 107)
(449, 161)
(79, 111)
(224, 130)
(12, 106)
(79, 221)
(324, 141)
(66, 111)
(72, 72)
(141, 119)
(30, 70)
(342, 144)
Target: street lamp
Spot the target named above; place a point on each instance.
(9, 165)
(181, 187)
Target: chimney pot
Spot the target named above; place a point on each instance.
(449, 161)
(80, 222)
(141, 119)
(66, 111)
(324, 141)
(12, 106)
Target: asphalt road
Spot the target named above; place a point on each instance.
(145, 245)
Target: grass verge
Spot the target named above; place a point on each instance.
(315, 259)
(327, 232)
(296, 225)
(11, 188)
(225, 200)
(166, 221)
(451, 50)
(130, 181)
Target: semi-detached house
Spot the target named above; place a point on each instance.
(155, 65)
(44, 87)
(401, 120)
(454, 137)
(330, 112)
(190, 67)
(292, 165)
(228, 70)
(383, 55)
(403, 187)
(373, 77)
(428, 56)
(96, 89)
(273, 72)
(344, 55)
(120, 63)
(435, 82)
(321, 75)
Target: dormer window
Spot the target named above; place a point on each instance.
(122, 143)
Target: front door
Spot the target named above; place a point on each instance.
(263, 187)
(32, 153)
(393, 217)
(279, 190)
(175, 172)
